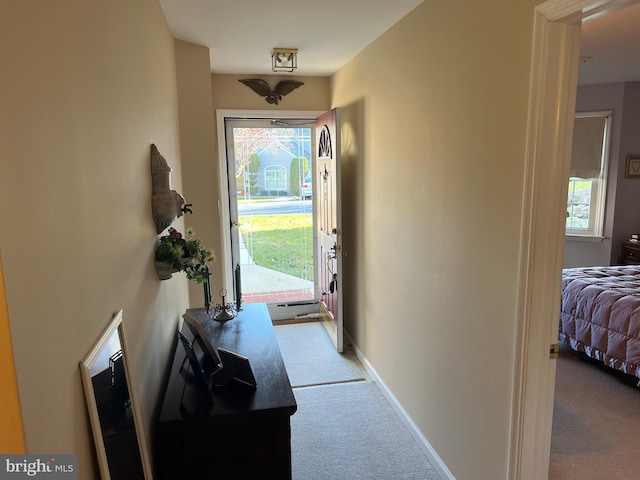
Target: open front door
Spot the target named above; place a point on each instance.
(328, 223)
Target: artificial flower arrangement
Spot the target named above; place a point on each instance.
(177, 254)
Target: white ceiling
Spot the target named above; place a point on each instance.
(241, 33)
(610, 48)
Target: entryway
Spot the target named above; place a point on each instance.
(271, 204)
(283, 160)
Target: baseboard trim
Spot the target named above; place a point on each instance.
(424, 444)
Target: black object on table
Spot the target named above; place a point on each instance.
(233, 431)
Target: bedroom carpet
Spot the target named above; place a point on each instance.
(344, 427)
(596, 422)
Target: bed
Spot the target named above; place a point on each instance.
(600, 314)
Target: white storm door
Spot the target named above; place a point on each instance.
(271, 223)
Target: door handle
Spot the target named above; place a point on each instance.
(235, 224)
(335, 250)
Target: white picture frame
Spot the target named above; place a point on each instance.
(92, 368)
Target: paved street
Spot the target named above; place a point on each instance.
(275, 207)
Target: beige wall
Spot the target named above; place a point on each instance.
(199, 156)
(434, 120)
(433, 139)
(229, 93)
(86, 88)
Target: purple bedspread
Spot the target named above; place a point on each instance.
(600, 314)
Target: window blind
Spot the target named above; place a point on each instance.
(588, 142)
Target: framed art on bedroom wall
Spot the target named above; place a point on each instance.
(632, 168)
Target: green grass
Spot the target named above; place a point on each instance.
(280, 242)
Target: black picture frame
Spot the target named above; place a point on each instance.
(237, 367)
(198, 372)
(210, 359)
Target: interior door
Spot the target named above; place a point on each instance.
(328, 224)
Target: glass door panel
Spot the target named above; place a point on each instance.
(271, 211)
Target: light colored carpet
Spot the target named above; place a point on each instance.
(349, 431)
(311, 358)
(344, 427)
(596, 423)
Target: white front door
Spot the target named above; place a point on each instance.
(329, 224)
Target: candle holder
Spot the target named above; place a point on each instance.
(223, 311)
(206, 286)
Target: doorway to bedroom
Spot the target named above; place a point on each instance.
(594, 429)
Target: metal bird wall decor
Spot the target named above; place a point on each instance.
(262, 88)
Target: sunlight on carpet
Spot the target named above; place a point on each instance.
(311, 358)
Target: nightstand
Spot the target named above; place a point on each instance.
(630, 253)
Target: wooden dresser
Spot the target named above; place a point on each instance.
(242, 433)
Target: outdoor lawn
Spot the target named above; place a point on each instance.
(280, 242)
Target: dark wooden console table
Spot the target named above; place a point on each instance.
(241, 433)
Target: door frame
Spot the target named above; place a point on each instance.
(223, 206)
(553, 86)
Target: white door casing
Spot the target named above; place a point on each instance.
(553, 85)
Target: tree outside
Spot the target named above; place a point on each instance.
(251, 170)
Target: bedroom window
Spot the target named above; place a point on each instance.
(588, 174)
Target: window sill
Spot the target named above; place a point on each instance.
(583, 238)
